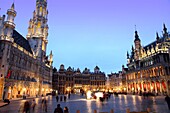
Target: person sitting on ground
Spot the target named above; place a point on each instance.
(58, 109)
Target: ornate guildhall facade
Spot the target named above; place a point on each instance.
(66, 80)
(149, 66)
(25, 69)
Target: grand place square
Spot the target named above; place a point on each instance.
(30, 82)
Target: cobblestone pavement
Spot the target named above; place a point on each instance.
(78, 102)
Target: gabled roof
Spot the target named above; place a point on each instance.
(21, 41)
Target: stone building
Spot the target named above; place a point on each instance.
(67, 80)
(149, 66)
(25, 69)
(117, 81)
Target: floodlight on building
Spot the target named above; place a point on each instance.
(132, 89)
(37, 89)
(24, 89)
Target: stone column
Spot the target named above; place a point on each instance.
(142, 87)
(161, 88)
(167, 90)
(156, 90)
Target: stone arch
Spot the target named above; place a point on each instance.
(163, 83)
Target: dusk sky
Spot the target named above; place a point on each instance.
(86, 33)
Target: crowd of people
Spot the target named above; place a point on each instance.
(29, 105)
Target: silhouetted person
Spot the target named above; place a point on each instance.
(33, 104)
(65, 98)
(69, 95)
(66, 110)
(26, 107)
(58, 109)
(44, 105)
(57, 98)
(167, 99)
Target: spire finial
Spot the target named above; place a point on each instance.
(127, 55)
(164, 28)
(157, 36)
(135, 27)
(13, 6)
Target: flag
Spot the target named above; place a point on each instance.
(9, 73)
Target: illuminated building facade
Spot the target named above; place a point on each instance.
(149, 66)
(25, 69)
(67, 80)
(117, 81)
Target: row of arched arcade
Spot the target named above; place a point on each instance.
(156, 87)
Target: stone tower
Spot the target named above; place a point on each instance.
(137, 43)
(6, 31)
(7, 27)
(38, 30)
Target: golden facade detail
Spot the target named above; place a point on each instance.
(151, 72)
(21, 72)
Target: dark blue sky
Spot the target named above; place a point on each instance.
(86, 33)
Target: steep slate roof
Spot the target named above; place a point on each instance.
(21, 41)
(154, 43)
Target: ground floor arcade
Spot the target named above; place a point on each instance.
(157, 87)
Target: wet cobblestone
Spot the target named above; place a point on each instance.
(78, 102)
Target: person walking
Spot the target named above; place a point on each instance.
(65, 98)
(58, 109)
(66, 109)
(69, 95)
(26, 107)
(57, 98)
(44, 104)
(33, 104)
(167, 99)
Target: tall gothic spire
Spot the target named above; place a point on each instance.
(38, 29)
(136, 36)
(157, 36)
(164, 29)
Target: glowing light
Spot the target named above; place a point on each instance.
(138, 88)
(132, 88)
(24, 89)
(88, 94)
(124, 89)
(99, 94)
(37, 89)
(151, 88)
(46, 89)
(51, 90)
(42, 89)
